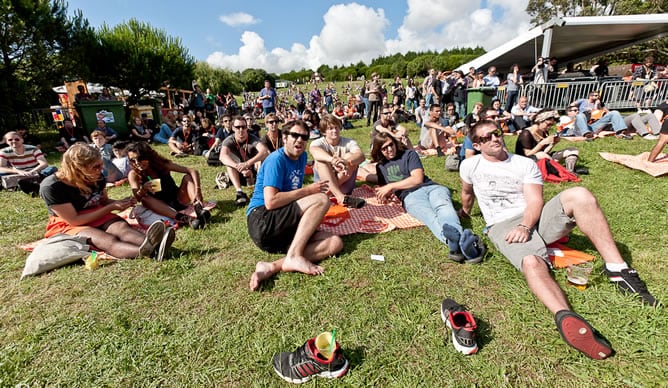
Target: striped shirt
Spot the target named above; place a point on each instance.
(25, 161)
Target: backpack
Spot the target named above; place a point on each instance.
(213, 158)
(554, 172)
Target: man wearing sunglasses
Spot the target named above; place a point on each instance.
(509, 189)
(272, 139)
(241, 153)
(283, 216)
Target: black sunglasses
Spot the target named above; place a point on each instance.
(272, 121)
(485, 139)
(240, 127)
(296, 136)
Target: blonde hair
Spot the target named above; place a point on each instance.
(75, 167)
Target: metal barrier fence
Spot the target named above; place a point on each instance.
(617, 94)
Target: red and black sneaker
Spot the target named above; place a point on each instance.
(462, 324)
(305, 363)
(579, 334)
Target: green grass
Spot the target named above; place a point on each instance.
(192, 320)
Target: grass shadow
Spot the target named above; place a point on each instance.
(355, 356)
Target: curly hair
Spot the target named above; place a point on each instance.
(76, 170)
(145, 152)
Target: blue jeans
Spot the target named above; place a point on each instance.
(428, 100)
(460, 108)
(612, 117)
(411, 104)
(164, 134)
(432, 205)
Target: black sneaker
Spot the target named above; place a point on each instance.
(203, 216)
(628, 281)
(29, 187)
(165, 244)
(462, 324)
(242, 199)
(305, 363)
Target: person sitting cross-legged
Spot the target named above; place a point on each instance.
(336, 161)
(509, 189)
(283, 216)
(241, 153)
(400, 171)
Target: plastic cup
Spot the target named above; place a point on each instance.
(578, 274)
(324, 344)
(156, 185)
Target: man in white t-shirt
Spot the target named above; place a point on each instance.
(336, 159)
(509, 189)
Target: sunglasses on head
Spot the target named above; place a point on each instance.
(296, 136)
(488, 137)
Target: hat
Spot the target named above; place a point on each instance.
(546, 115)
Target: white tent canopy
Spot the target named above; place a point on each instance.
(573, 39)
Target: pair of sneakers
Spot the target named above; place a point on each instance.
(306, 363)
(158, 241)
(466, 247)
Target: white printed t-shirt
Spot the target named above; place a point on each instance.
(499, 186)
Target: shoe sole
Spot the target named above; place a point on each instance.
(326, 374)
(455, 307)
(154, 235)
(165, 244)
(581, 336)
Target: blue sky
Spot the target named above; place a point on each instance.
(285, 35)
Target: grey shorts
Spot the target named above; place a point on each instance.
(552, 225)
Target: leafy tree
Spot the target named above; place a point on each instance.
(253, 79)
(39, 47)
(141, 58)
(218, 80)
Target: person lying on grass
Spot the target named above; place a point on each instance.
(400, 171)
(78, 204)
(283, 216)
(509, 189)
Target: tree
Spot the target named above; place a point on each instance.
(218, 80)
(253, 79)
(39, 47)
(140, 58)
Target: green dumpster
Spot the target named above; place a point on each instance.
(112, 112)
(483, 95)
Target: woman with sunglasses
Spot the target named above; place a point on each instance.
(78, 205)
(536, 142)
(400, 171)
(147, 165)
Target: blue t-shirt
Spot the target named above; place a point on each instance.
(268, 102)
(399, 169)
(467, 145)
(280, 172)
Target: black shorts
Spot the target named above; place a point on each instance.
(273, 230)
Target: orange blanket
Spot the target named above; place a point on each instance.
(639, 162)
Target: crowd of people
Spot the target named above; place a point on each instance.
(283, 216)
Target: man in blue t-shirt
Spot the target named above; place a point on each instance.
(284, 217)
(268, 97)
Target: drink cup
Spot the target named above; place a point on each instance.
(578, 274)
(324, 344)
(156, 185)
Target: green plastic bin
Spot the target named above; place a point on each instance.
(113, 112)
(484, 95)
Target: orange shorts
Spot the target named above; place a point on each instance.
(57, 225)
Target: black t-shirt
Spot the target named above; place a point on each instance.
(399, 169)
(525, 141)
(56, 192)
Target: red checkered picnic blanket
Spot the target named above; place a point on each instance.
(374, 217)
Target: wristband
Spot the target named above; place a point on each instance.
(525, 227)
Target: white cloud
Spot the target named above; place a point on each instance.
(238, 19)
(354, 32)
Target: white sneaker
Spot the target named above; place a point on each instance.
(649, 136)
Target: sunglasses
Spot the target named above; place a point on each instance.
(387, 147)
(240, 127)
(296, 136)
(387, 113)
(272, 121)
(485, 139)
(573, 110)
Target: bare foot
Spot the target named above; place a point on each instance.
(300, 264)
(263, 271)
